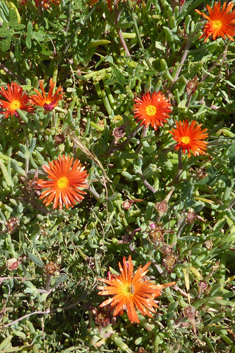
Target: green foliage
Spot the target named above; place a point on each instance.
(103, 60)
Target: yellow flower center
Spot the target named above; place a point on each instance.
(185, 139)
(128, 290)
(62, 183)
(150, 110)
(15, 105)
(217, 24)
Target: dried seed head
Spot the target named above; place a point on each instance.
(189, 311)
(201, 174)
(102, 316)
(190, 217)
(169, 262)
(161, 207)
(12, 264)
(90, 262)
(127, 238)
(191, 86)
(12, 224)
(51, 269)
(59, 139)
(208, 244)
(157, 235)
(166, 249)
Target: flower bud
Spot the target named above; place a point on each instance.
(202, 286)
(190, 217)
(153, 226)
(118, 133)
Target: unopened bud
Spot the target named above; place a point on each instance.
(118, 133)
(191, 312)
(153, 226)
(202, 286)
(216, 266)
(190, 217)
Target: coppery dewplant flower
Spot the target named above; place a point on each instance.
(65, 180)
(190, 137)
(49, 101)
(131, 291)
(220, 23)
(14, 98)
(152, 109)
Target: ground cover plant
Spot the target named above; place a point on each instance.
(117, 152)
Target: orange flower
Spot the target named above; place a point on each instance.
(64, 182)
(152, 109)
(221, 22)
(15, 99)
(189, 136)
(131, 291)
(50, 101)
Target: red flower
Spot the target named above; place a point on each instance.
(152, 109)
(221, 22)
(15, 99)
(189, 137)
(66, 179)
(131, 291)
(50, 101)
